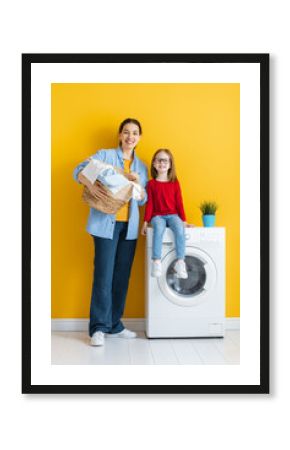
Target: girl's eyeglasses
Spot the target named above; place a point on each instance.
(162, 160)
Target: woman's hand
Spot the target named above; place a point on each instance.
(144, 229)
(132, 176)
(142, 194)
(94, 190)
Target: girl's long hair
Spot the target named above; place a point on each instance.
(171, 174)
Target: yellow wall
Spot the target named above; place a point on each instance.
(198, 122)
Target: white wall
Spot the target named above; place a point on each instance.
(166, 27)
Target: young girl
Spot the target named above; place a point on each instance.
(165, 208)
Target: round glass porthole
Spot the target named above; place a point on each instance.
(194, 284)
(197, 287)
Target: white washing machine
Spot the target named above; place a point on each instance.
(192, 307)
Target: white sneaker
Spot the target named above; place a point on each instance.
(156, 270)
(125, 334)
(98, 338)
(180, 269)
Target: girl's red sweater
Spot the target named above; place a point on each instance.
(164, 197)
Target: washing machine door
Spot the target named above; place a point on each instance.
(201, 278)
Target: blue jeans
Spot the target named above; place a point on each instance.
(159, 224)
(113, 262)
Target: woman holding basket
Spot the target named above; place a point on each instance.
(115, 238)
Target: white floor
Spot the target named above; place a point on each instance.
(73, 348)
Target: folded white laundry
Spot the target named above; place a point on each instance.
(110, 177)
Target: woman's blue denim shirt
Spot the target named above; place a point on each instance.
(101, 224)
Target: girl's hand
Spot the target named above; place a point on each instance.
(144, 229)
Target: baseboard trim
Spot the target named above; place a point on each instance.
(232, 323)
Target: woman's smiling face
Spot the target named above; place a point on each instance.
(129, 136)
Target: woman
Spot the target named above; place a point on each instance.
(115, 238)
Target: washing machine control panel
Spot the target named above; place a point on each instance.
(194, 235)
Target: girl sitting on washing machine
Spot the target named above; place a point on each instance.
(165, 208)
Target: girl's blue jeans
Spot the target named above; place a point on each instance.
(159, 224)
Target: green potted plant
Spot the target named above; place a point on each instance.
(208, 210)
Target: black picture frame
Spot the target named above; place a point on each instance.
(263, 61)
